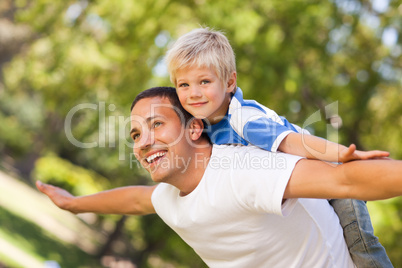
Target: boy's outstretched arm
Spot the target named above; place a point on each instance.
(314, 147)
(132, 200)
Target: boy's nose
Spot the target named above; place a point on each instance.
(195, 92)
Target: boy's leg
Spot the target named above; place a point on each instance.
(365, 249)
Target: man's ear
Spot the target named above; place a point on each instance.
(231, 84)
(196, 127)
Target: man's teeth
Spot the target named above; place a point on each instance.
(151, 158)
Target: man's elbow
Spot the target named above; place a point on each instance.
(141, 209)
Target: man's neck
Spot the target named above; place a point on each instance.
(193, 174)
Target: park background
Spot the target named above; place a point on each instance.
(333, 66)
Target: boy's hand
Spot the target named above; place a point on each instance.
(350, 153)
(59, 196)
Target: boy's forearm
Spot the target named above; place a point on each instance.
(311, 147)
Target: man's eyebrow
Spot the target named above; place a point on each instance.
(148, 120)
(133, 130)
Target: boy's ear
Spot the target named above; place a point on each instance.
(231, 84)
(196, 127)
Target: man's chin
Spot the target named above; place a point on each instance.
(157, 177)
(157, 174)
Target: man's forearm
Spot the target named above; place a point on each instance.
(363, 180)
(134, 200)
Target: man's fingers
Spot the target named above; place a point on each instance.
(43, 187)
(40, 185)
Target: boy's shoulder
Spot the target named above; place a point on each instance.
(238, 102)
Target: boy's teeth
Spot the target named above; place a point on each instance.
(152, 157)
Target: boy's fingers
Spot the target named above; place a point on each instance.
(352, 148)
(385, 153)
(382, 153)
(349, 151)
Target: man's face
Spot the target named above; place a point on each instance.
(159, 141)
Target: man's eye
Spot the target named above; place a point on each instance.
(135, 137)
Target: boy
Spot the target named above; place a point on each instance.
(202, 66)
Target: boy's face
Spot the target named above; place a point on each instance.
(202, 93)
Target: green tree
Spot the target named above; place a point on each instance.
(335, 57)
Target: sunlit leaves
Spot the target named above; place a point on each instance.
(295, 57)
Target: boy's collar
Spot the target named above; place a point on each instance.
(238, 92)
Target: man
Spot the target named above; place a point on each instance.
(236, 206)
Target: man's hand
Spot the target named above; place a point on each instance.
(132, 200)
(350, 153)
(59, 197)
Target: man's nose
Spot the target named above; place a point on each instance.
(145, 141)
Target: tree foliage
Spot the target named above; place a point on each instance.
(332, 66)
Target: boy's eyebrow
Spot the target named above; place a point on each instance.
(148, 120)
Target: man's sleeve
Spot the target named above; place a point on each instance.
(259, 179)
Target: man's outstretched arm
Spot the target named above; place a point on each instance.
(363, 180)
(131, 200)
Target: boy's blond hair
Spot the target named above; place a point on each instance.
(202, 47)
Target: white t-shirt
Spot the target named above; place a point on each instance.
(235, 216)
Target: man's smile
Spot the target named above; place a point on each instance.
(155, 157)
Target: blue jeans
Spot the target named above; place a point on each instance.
(365, 249)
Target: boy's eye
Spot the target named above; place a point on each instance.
(183, 85)
(203, 82)
(157, 124)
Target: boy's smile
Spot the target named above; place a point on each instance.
(202, 93)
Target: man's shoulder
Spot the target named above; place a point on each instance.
(164, 188)
(219, 149)
(250, 158)
(233, 150)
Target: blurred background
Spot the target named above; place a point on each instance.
(69, 71)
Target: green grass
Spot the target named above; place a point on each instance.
(5, 261)
(38, 243)
(33, 230)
